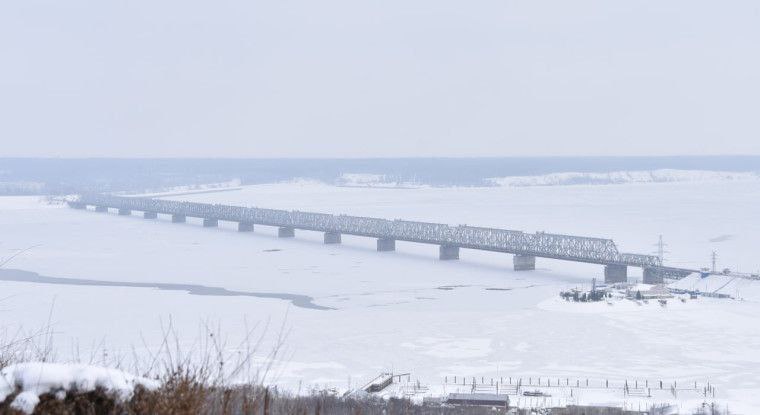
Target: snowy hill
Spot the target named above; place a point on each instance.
(372, 180)
(621, 177)
(736, 287)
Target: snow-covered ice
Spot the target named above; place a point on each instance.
(405, 311)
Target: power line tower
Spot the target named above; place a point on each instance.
(714, 262)
(661, 250)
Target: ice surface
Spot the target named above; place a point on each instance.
(405, 311)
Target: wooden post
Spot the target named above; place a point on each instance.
(266, 401)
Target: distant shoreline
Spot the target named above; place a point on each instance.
(36, 176)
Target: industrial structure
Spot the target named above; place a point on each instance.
(524, 246)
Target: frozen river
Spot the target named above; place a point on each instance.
(111, 280)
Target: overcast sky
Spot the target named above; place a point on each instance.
(353, 78)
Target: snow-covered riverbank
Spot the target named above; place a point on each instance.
(403, 311)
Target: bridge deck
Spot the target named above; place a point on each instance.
(540, 244)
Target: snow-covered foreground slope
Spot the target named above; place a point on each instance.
(36, 378)
(403, 311)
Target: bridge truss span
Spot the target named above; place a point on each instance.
(539, 244)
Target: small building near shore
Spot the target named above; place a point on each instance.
(653, 292)
(484, 399)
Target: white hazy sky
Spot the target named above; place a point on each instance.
(353, 78)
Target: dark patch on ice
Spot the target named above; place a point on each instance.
(721, 238)
(511, 288)
(16, 275)
(272, 250)
(388, 304)
(450, 287)
(425, 298)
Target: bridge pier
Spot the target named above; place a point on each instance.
(448, 252)
(652, 276)
(386, 245)
(332, 238)
(286, 232)
(124, 212)
(615, 273)
(102, 209)
(150, 215)
(179, 218)
(210, 223)
(524, 262)
(245, 227)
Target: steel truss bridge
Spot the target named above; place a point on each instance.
(539, 244)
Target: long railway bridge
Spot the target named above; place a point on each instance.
(524, 246)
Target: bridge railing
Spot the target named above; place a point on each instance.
(541, 244)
